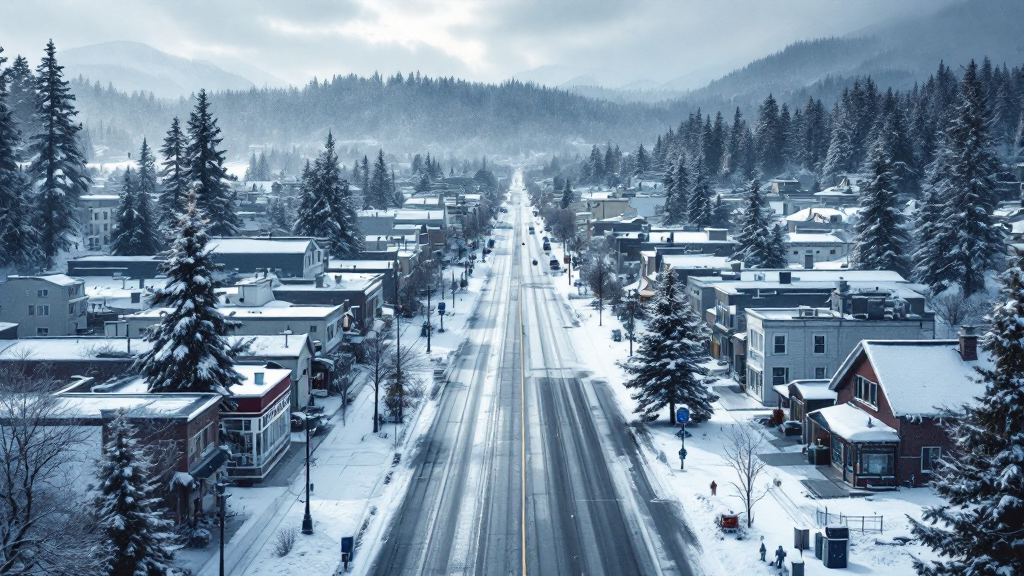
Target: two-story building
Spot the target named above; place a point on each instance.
(45, 305)
(805, 343)
(807, 248)
(298, 257)
(887, 427)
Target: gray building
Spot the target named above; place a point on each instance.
(45, 305)
(287, 256)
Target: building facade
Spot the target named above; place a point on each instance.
(45, 305)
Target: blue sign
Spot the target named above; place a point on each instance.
(347, 545)
(682, 415)
(440, 306)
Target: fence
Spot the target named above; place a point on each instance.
(862, 523)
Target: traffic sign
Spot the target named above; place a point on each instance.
(440, 307)
(682, 415)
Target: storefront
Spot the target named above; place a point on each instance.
(258, 430)
(862, 449)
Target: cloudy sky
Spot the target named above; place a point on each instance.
(615, 42)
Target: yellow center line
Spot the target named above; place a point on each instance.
(522, 415)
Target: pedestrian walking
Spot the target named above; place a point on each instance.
(763, 552)
(714, 488)
(780, 556)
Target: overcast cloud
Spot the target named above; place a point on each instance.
(615, 42)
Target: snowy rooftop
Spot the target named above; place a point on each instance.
(691, 261)
(341, 265)
(812, 238)
(70, 348)
(106, 258)
(376, 213)
(249, 387)
(259, 245)
(100, 197)
(272, 346)
(828, 275)
(178, 405)
(419, 214)
(681, 237)
(922, 377)
(58, 279)
(793, 313)
(853, 424)
(814, 389)
(253, 312)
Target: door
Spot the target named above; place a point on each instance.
(809, 261)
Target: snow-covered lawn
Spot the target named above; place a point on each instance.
(788, 504)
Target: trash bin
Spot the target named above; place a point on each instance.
(837, 531)
(797, 567)
(819, 544)
(801, 538)
(836, 552)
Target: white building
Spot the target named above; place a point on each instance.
(45, 305)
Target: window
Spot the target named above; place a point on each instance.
(832, 251)
(71, 309)
(877, 463)
(865, 390)
(819, 343)
(106, 227)
(780, 376)
(104, 217)
(819, 373)
(42, 310)
(757, 341)
(95, 215)
(31, 310)
(42, 293)
(929, 455)
(202, 442)
(795, 252)
(42, 331)
(780, 343)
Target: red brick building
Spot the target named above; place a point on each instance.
(886, 428)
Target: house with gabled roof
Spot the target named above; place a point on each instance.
(893, 401)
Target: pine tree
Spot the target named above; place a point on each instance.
(753, 246)
(250, 171)
(136, 536)
(568, 197)
(972, 243)
(978, 531)
(134, 232)
(839, 160)
(379, 192)
(205, 166)
(263, 168)
(882, 239)
(18, 240)
(326, 209)
(364, 174)
(21, 86)
(677, 197)
(58, 168)
(721, 215)
(666, 369)
(698, 209)
(642, 161)
(929, 257)
(770, 135)
(190, 350)
(175, 178)
(777, 248)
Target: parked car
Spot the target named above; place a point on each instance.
(792, 428)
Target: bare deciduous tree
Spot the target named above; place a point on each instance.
(379, 355)
(957, 310)
(44, 524)
(742, 443)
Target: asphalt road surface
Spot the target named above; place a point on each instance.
(519, 394)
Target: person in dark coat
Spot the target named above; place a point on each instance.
(763, 551)
(780, 556)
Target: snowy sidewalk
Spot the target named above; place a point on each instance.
(352, 472)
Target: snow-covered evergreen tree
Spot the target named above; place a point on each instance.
(770, 141)
(666, 369)
(175, 178)
(18, 239)
(379, 194)
(677, 197)
(137, 538)
(641, 161)
(58, 168)
(326, 207)
(699, 209)
(839, 160)
(21, 87)
(721, 214)
(568, 196)
(777, 248)
(753, 243)
(190, 351)
(971, 241)
(979, 531)
(882, 239)
(134, 232)
(929, 257)
(205, 166)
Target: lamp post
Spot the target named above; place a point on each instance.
(454, 288)
(429, 311)
(222, 500)
(307, 519)
(398, 355)
(633, 297)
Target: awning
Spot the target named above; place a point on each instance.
(205, 470)
(782, 390)
(853, 424)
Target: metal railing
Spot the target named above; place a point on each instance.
(862, 523)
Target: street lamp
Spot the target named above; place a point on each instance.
(307, 519)
(222, 500)
(634, 295)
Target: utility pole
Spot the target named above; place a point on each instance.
(429, 311)
(222, 500)
(398, 352)
(307, 519)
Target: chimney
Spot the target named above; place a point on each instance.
(968, 343)
(736, 266)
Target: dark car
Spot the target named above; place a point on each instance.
(792, 428)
